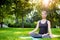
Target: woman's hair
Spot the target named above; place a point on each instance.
(44, 12)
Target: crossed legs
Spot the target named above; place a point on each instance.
(39, 35)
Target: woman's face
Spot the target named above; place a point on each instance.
(44, 15)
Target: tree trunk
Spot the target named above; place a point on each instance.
(22, 22)
(1, 24)
(16, 19)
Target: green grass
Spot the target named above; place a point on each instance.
(16, 33)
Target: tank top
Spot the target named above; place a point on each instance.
(43, 28)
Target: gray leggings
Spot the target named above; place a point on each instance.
(39, 35)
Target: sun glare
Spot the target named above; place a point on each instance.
(45, 2)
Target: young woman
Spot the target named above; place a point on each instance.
(45, 28)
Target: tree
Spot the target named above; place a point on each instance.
(23, 7)
(5, 9)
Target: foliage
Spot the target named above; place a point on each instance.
(21, 8)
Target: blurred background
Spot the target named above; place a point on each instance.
(19, 17)
(26, 13)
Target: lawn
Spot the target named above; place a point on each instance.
(16, 33)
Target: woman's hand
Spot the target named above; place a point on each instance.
(44, 34)
(51, 35)
(30, 32)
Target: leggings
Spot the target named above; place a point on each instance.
(39, 35)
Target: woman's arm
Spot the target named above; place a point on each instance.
(49, 29)
(37, 26)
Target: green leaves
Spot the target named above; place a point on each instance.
(18, 7)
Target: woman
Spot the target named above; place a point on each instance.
(45, 28)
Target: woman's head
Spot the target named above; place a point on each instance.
(44, 14)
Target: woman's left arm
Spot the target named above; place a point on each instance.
(49, 29)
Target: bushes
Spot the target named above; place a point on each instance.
(29, 25)
(26, 25)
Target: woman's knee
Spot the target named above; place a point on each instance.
(32, 33)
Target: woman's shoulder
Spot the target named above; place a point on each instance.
(48, 21)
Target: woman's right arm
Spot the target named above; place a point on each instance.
(37, 26)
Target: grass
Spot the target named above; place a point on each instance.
(16, 33)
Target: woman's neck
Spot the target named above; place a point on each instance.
(43, 19)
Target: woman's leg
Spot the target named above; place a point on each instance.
(46, 36)
(36, 35)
